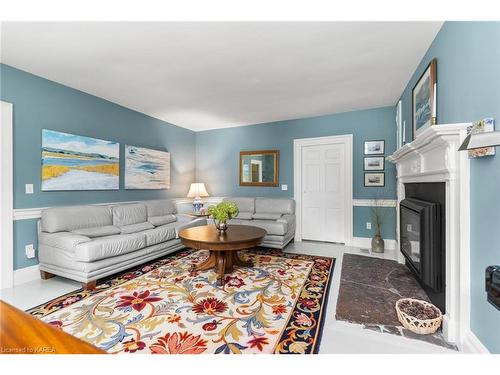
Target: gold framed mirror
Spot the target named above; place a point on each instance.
(259, 168)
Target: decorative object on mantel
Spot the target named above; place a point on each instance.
(374, 147)
(196, 191)
(424, 96)
(223, 212)
(379, 215)
(418, 316)
(375, 179)
(482, 139)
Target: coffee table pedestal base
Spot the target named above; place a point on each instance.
(223, 262)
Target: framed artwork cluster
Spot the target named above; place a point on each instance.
(374, 163)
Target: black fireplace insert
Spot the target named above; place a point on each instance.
(422, 236)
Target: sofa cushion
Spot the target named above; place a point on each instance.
(65, 219)
(160, 234)
(62, 240)
(134, 228)
(128, 214)
(275, 205)
(184, 222)
(272, 227)
(244, 204)
(107, 230)
(162, 220)
(266, 216)
(110, 246)
(244, 215)
(160, 207)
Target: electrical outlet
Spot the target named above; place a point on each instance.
(28, 188)
(30, 251)
(284, 187)
(408, 228)
(368, 225)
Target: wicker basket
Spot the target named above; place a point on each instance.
(419, 326)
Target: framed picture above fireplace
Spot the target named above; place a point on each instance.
(424, 95)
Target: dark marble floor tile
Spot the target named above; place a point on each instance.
(369, 289)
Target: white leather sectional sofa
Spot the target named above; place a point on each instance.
(86, 243)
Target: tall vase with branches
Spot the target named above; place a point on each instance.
(379, 214)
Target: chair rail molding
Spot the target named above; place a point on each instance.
(434, 157)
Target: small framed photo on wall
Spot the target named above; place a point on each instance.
(374, 147)
(375, 179)
(375, 163)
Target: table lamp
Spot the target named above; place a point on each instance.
(196, 191)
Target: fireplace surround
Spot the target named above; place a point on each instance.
(433, 157)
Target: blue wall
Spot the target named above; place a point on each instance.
(468, 80)
(43, 104)
(217, 156)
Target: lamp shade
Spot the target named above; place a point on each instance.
(480, 140)
(197, 189)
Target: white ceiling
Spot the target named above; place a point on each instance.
(215, 75)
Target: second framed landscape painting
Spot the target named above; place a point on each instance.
(146, 168)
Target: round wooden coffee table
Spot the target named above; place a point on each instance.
(223, 247)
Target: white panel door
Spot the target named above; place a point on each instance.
(323, 192)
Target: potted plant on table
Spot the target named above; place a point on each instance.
(221, 213)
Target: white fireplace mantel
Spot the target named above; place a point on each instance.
(434, 157)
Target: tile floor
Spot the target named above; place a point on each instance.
(338, 336)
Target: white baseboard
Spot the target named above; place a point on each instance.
(27, 274)
(472, 344)
(366, 243)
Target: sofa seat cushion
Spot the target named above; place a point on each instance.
(278, 228)
(158, 221)
(111, 246)
(160, 234)
(184, 222)
(266, 216)
(244, 215)
(107, 230)
(62, 240)
(128, 214)
(134, 228)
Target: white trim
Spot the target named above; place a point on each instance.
(472, 344)
(297, 178)
(36, 212)
(434, 157)
(374, 203)
(26, 274)
(6, 196)
(366, 243)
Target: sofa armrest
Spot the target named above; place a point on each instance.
(289, 219)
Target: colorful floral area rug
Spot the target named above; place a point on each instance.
(277, 306)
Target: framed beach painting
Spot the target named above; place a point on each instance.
(75, 162)
(146, 168)
(424, 96)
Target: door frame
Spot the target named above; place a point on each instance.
(298, 144)
(6, 197)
